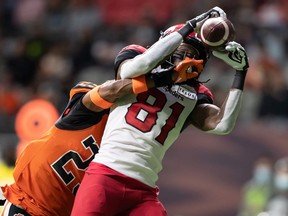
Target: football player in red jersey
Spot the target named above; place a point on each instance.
(121, 179)
(49, 170)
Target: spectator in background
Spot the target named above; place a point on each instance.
(56, 63)
(83, 16)
(270, 17)
(269, 81)
(20, 67)
(278, 204)
(257, 191)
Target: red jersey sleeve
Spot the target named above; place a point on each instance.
(127, 52)
(204, 94)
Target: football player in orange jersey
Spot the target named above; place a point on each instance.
(49, 170)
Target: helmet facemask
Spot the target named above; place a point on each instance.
(183, 51)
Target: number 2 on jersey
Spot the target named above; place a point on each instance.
(69, 164)
(151, 110)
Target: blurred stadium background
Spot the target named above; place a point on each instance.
(48, 46)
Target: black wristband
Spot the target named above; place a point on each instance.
(162, 79)
(239, 79)
(186, 30)
(2, 202)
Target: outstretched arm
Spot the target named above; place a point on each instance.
(103, 96)
(221, 120)
(164, 47)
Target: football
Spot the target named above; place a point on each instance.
(216, 32)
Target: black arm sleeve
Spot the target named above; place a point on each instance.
(239, 79)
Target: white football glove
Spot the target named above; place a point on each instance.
(218, 12)
(198, 21)
(235, 56)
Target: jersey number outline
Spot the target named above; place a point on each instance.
(151, 111)
(72, 157)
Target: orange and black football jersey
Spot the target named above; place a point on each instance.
(49, 170)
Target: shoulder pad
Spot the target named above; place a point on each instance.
(82, 87)
(127, 52)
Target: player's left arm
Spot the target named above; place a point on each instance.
(221, 120)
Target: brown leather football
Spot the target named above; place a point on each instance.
(216, 32)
